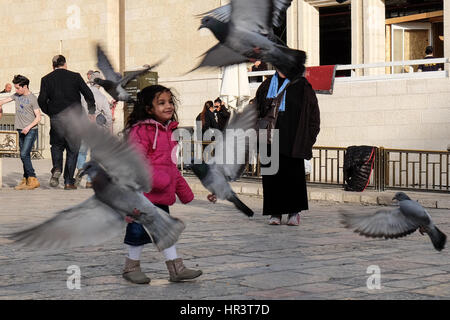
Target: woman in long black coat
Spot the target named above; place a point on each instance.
(298, 123)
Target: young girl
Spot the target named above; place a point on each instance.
(150, 128)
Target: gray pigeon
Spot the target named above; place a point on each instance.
(114, 83)
(119, 177)
(244, 29)
(216, 174)
(217, 20)
(396, 223)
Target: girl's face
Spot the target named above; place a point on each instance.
(163, 107)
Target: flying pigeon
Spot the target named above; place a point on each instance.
(216, 173)
(119, 177)
(396, 223)
(244, 29)
(114, 83)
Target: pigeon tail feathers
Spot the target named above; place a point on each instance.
(162, 228)
(240, 205)
(438, 238)
(294, 63)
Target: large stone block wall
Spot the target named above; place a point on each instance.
(409, 114)
(167, 28)
(35, 31)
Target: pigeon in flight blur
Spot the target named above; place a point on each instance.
(119, 177)
(114, 83)
(396, 223)
(216, 173)
(244, 29)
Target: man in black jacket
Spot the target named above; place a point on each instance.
(221, 114)
(61, 89)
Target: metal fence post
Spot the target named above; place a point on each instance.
(380, 169)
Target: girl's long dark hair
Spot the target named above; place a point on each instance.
(145, 103)
(208, 104)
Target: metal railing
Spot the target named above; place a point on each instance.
(415, 169)
(421, 170)
(397, 70)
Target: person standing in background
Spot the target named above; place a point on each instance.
(61, 89)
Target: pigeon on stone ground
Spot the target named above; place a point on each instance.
(114, 83)
(216, 174)
(395, 223)
(244, 30)
(119, 176)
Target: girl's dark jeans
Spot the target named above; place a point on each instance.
(136, 234)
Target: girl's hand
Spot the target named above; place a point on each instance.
(212, 198)
(129, 218)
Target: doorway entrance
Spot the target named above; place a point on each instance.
(408, 42)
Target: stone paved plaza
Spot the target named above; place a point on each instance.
(241, 258)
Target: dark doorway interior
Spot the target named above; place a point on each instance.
(335, 36)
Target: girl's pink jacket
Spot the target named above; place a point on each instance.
(154, 141)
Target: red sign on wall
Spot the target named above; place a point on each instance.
(321, 78)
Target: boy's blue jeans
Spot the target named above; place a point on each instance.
(26, 142)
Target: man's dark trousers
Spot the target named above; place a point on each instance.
(60, 142)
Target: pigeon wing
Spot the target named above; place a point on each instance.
(222, 13)
(105, 66)
(279, 11)
(133, 74)
(120, 160)
(219, 56)
(252, 15)
(235, 143)
(381, 224)
(130, 76)
(88, 223)
(279, 8)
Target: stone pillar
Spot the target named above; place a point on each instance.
(116, 33)
(357, 31)
(368, 33)
(291, 25)
(308, 32)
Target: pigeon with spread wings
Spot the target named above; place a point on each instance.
(216, 173)
(119, 178)
(244, 29)
(395, 223)
(114, 83)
